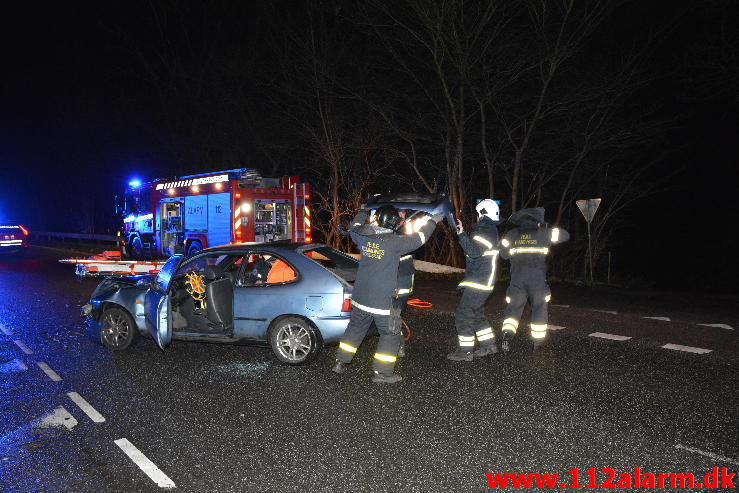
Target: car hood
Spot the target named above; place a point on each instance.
(110, 284)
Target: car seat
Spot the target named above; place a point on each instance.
(218, 298)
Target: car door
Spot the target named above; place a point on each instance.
(156, 303)
(265, 290)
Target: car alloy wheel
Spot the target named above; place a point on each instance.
(294, 341)
(117, 331)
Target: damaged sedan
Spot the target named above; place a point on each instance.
(292, 297)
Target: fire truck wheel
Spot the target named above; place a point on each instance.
(294, 341)
(194, 248)
(137, 249)
(117, 329)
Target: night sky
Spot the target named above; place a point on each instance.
(78, 119)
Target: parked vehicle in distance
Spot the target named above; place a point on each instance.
(293, 297)
(13, 239)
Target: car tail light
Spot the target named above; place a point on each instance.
(347, 305)
(25, 231)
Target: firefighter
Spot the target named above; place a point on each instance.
(527, 247)
(375, 286)
(481, 255)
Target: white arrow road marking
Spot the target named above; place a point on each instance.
(13, 366)
(86, 407)
(561, 306)
(554, 327)
(664, 319)
(687, 349)
(719, 326)
(607, 311)
(151, 470)
(708, 454)
(613, 337)
(6, 330)
(54, 376)
(58, 418)
(23, 347)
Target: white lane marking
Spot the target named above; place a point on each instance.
(86, 407)
(607, 311)
(13, 366)
(151, 470)
(613, 337)
(6, 330)
(554, 327)
(561, 306)
(54, 376)
(664, 319)
(23, 347)
(719, 326)
(687, 349)
(58, 418)
(708, 454)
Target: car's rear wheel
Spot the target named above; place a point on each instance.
(117, 329)
(295, 341)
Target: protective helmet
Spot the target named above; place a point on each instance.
(489, 208)
(387, 217)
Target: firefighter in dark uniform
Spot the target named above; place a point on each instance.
(527, 247)
(481, 257)
(375, 287)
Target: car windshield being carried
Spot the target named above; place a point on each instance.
(340, 264)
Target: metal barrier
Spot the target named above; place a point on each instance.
(48, 235)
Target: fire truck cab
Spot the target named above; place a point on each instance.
(189, 213)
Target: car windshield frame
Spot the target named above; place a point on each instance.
(161, 282)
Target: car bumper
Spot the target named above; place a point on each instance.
(332, 328)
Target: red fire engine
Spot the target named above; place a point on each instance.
(189, 213)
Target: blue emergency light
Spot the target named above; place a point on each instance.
(134, 183)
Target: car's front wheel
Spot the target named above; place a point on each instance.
(117, 329)
(295, 341)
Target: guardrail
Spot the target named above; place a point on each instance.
(49, 235)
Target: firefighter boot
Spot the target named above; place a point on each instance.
(505, 344)
(460, 355)
(538, 343)
(339, 367)
(378, 377)
(486, 349)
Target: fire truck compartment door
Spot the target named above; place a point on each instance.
(196, 217)
(219, 219)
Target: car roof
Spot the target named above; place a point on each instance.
(272, 245)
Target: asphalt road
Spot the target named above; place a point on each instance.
(221, 418)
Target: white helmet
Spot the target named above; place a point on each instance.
(489, 208)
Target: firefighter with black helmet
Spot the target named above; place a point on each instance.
(375, 287)
(480, 248)
(527, 246)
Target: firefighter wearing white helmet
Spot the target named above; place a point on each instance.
(480, 248)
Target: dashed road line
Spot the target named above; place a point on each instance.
(149, 468)
(719, 326)
(561, 306)
(613, 337)
(86, 407)
(664, 319)
(708, 454)
(54, 376)
(687, 349)
(6, 330)
(15, 365)
(23, 346)
(555, 327)
(606, 311)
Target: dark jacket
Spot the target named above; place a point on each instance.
(480, 248)
(381, 249)
(527, 245)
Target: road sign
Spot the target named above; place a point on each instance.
(588, 208)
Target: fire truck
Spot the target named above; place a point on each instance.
(188, 213)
